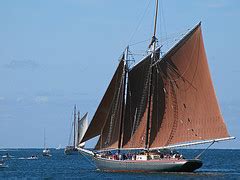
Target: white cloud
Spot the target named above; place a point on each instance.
(20, 64)
(41, 99)
(215, 4)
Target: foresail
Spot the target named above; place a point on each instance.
(82, 128)
(191, 110)
(110, 133)
(101, 115)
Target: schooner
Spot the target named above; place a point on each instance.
(160, 103)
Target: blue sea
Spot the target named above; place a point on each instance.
(217, 164)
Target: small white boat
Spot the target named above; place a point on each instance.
(59, 147)
(2, 164)
(46, 151)
(33, 157)
(7, 156)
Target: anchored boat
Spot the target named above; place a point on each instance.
(46, 151)
(2, 164)
(163, 102)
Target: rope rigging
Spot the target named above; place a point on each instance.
(140, 21)
(114, 111)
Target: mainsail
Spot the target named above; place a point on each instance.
(82, 128)
(182, 102)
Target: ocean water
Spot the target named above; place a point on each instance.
(217, 164)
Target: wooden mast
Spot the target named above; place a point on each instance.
(125, 56)
(153, 46)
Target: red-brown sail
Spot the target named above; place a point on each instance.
(136, 106)
(191, 108)
(110, 132)
(102, 114)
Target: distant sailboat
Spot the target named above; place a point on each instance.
(7, 156)
(79, 129)
(59, 147)
(2, 164)
(163, 102)
(46, 151)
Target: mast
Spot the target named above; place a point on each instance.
(155, 24)
(153, 46)
(74, 126)
(44, 139)
(78, 131)
(123, 98)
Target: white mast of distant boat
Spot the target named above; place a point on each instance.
(46, 151)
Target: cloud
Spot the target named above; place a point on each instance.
(41, 99)
(216, 5)
(6, 117)
(22, 64)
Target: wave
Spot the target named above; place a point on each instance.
(28, 158)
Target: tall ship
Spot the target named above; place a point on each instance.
(160, 104)
(80, 126)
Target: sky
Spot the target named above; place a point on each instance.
(57, 53)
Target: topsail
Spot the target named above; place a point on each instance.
(106, 119)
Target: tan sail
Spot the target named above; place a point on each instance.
(192, 112)
(104, 109)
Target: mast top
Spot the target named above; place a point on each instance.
(154, 38)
